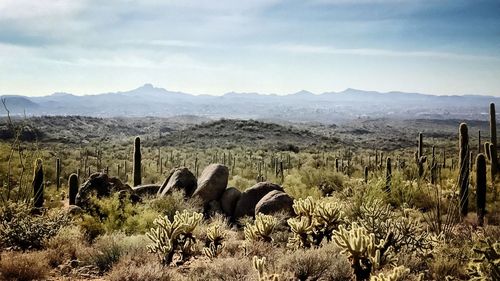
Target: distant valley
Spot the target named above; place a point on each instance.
(303, 106)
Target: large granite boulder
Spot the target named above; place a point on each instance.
(229, 199)
(146, 190)
(250, 197)
(179, 178)
(100, 185)
(274, 202)
(212, 182)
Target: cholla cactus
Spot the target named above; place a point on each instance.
(214, 245)
(302, 229)
(316, 220)
(261, 229)
(397, 273)
(487, 266)
(327, 217)
(365, 254)
(304, 207)
(407, 232)
(259, 265)
(170, 237)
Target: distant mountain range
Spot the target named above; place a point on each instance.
(302, 106)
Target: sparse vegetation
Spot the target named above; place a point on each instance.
(355, 214)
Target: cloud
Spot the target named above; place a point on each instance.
(31, 10)
(327, 50)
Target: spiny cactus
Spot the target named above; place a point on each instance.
(38, 184)
(364, 253)
(170, 237)
(433, 166)
(73, 188)
(419, 156)
(480, 188)
(388, 175)
(396, 274)
(316, 220)
(493, 140)
(137, 162)
(261, 229)
(479, 146)
(302, 229)
(407, 232)
(58, 173)
(260, 266)
(464, 168)
(366, 174)
(214, 245)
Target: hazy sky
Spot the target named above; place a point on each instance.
(267, 46)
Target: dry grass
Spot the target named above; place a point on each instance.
(23, 266)
(325, 263)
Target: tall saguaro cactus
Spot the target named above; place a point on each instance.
(388, 175)
(464, 168)
(480, 188)
(137, 162)
(38, 184)
(58, 173)
(419, 156)
(493, 140)
(73, 188)
(366, 174)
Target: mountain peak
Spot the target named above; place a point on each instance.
(61, 94)
(303, 93)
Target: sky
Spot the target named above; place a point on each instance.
(265, 46)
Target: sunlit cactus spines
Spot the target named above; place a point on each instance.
(169, 237)
(214, 244)
(316, 220)
(137, 162)
(261, 229)
(463, 163)
(480, 188)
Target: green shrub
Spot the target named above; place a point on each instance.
(20, 229)
(65, 245)
(169, 204)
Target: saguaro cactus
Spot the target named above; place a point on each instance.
(479, 146)
(464, 168)
(73, 188)
(480, 188)
(493, 140)
(38, 184)
(388, 175)
(58, 173)
(419, 157)
(137, 161)
(433, 166)
(366, 174)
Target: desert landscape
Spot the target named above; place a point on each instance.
(249, 140)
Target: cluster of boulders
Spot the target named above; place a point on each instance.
(211, 188)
